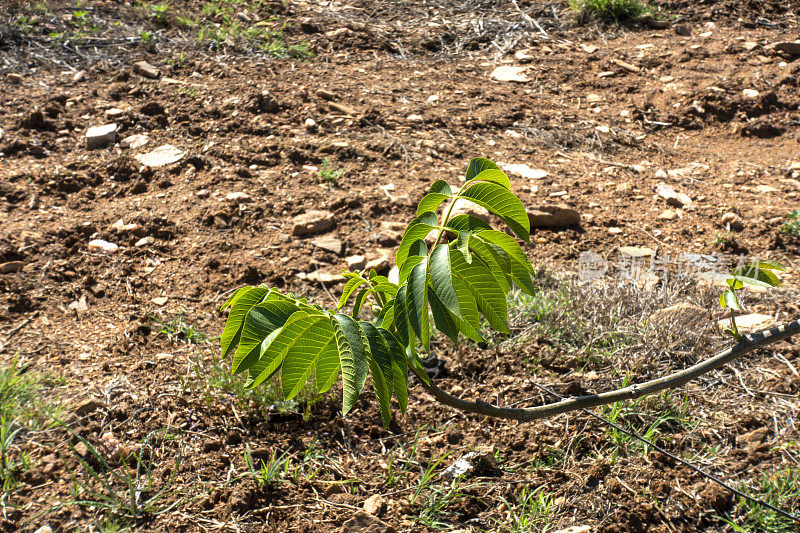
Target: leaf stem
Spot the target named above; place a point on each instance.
(447, 214)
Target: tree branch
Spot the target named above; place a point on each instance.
(747, 344)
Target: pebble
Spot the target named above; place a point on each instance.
(553, 217)
(99, 136)
(672, 197)
(311, 124)
(79, 76)
(99, 245)
(79, 305)
(319, 276)
(362, 522)
(239, 197)
(145, 69)
(509, 73)
(732, 222)
(380, 262)
(44, 529)
(414, 118)
(163, 155)
(13, 77)
(329, 243)
(144, 241)
(88, 406)
(113, 113)
(341, 108)
(683, 30)
(750, 94)
(134, 141)
(374, 505)
(312, 222)
(356, 262)
(432, 99)
(791, 48)
(636, 251)
(10, 266)
(524, 171)
(669, 214)
(326, 95)
(160, 300)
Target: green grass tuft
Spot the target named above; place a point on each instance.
(617, 10)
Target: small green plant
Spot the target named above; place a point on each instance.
(178, 329)
(781, 489)
(146, 37)
(759, 273)
(530, 513)
(128, 495)
(329, 174)
(159, 11)
(792, 227)
(268, 475)
(617, 10)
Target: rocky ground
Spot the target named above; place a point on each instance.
(155, 156)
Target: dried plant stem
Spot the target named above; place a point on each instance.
(746, 344)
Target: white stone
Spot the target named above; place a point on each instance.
(509, 73)
(750, 94)
(238, 197)
(163, 155)
(134, 141)
(99, 136)
(524, 171)
(99, 245)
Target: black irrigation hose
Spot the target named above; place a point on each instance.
(684, 462)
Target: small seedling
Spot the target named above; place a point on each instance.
(269, 474)
(617, 10)
(759, 273)
(792, 227)
(178, 329)
(329, 174)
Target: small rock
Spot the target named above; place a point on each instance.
(79, 305)
(380, 263)
(636, 251)
(432, 99)
(366, 523)
(791, 48)
(394, 275)
(312, 222)
(329, 243)
(683, 30)
(45, 528)
(311, 124)
(524, 56)
(145, 241)
(99, 245)
(88, 406)
(319, 276)
(203, 193)
(113, 113)
(238, 197)
(356, 262)
(589, 48)
(750, 94)
(341, 108)
(669, 214)
(145, 69)
(672, 197)
(465, 207)
(750, 46)
(134, 141)
(374, 505)
(99, 136)
(163, 155)
(680, 315)
(415, 118)
(13, 77)
(122, 227)
(79, 76)
(509, 73)
(160, 300)
(478, 462)
(732, 222)
(326, 95)
(524, 171)
(553, 217)
(749, 323)
(11, 266)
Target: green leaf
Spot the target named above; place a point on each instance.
(440, 191)
(308, 344)
(494, 175)
(443, 318)
(503, 204)
(399, 368)
(484, 288)
(351, 342)
(417, 229)
(462, 245)
(768, 264)
(478, 165)
(360, 299)
(754, 274)
(408, 266)
(261, 321)
(496, 261)
(521, 268)
(349, 288)
(418, 303)
(416, 363)
(246, 297)
(236, 294)
(401, 316)
(730, 300)
(467, 223)
(386, 316)
(441, 278)
(380, 363)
